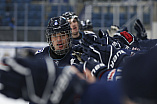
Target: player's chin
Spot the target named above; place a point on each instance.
(75, 32)
(59, 49)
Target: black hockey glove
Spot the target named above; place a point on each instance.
(77, 52)
(107, 40)
(96, 68)
(127, 38)
(107, 54)
(27, 78)
(38, 81)
(89, 38)
(141, 31)
(85, 56)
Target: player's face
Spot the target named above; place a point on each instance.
(74, 26)
(60, 41)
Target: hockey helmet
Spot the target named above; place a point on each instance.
(59, 27)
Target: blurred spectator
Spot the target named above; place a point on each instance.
(11, 23)
(8, 7)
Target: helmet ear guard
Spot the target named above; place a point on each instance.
(59, 25)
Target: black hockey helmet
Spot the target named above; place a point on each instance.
(70, 15)
(58, 25)
(86, 25)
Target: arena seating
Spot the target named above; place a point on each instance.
(34, 14)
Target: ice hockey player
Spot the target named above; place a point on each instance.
(58, 34)
(74, 21)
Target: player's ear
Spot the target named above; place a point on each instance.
(89, 77)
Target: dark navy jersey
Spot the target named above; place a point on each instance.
(144, 44)
(59, 60)
(149, 43)
(102, 93)
(76, 40)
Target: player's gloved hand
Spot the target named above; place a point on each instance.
(101, 33)
(96, 68)
(38, 81)
(89, 38)
(141, 31)
(107, 40)
(125, 37)
(27, 78)
(77, 48)
(77, 51)
(124, 28)
(85, 56)
(107, 54)
(113, 29)
(103, 37)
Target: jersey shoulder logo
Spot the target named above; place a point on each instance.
(39, 51)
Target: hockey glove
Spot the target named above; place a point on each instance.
(125, 37)
(77, 52)
(108, 55)
(107, 40)
(96, 68)
(39, 82)
(89, 38)
(27, 78)
(141, 31)
(113, 29)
